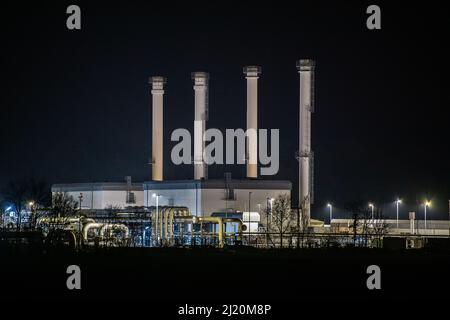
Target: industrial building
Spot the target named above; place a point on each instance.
(103, 195)
(202, 196)
(205, 197)
(401, 227)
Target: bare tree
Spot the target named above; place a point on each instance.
(55, 227)
(16, 193)
(282, 215)
(40, 196)
(303, 221)
(374, 226)
(39, 192)
(304, 217)
(2, 216)
(355, 211)
(27, 191)
(366, 225)
(379, 228)
(63, 205)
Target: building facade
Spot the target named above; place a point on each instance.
(103, 195)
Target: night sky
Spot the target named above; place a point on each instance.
(75, 105)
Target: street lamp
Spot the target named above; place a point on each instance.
(31, 205)
(398, 203)
(425, 205)
(249, 210)
(6, 211)
(331, 212)
(271, 200)
(372, 207)
(144, 235)
(269, 205)
(157, 214)
(80, 236)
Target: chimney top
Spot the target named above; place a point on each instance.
(252, 71)
(306, 65)
(200, 74)
(157, 79)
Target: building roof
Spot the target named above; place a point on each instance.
(403, 223)
(96, 186)
(219, 184)
(175, 184)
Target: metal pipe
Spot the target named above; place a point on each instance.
(88, 226)
(216, 220)
(167, 213)
(56, 220)
(110, 226)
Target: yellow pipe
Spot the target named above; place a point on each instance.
(176, 212)
(217, 220)
(239, 221)
(167, 213)
(170, 234)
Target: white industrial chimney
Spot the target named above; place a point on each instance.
(157, 90)
(201, 82)
(305, 155)
(252, 74)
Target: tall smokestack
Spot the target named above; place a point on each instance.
(157, 90)
(306, 156)
(252, 74)
(201, 82)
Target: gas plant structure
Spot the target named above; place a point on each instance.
(200, 210)
(164, 226)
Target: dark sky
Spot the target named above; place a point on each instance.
(75, 104)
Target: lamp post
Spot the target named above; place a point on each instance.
(330, 206)
(269, 205)
(267, 222)
(156, 196)
(144, 235)
(372, 207)
(425, 205)
(271, 209)
(398, 203)
(80, 237)
(4, 215)
(31, 204)
(249, 209)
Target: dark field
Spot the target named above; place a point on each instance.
(241, 275)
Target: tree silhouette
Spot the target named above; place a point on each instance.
(283, 216)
